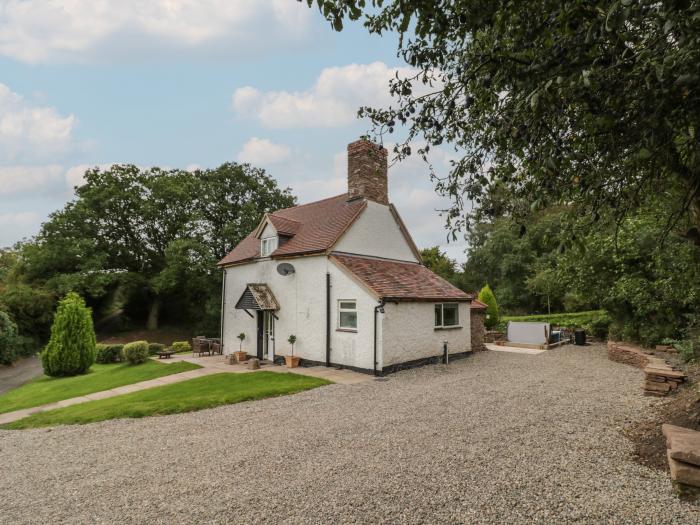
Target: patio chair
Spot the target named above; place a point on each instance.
(216, 348)
(200, 346)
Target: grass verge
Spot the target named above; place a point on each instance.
(193, 394)
(46, 389)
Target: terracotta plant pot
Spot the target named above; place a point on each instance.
(241, 356)
(291, 361)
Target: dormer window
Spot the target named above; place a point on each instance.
(268, 245)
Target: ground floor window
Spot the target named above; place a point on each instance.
(347, 314)
(446, 315)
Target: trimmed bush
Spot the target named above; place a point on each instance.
(486, 296)
(181, 346)
(8, 339)
(154, 348)
(109, 353)
(71, 348)
(136, 352)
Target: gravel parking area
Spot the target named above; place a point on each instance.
(494, 438)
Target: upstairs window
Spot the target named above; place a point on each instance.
(446, 315)
(347, 314)
(267, 246)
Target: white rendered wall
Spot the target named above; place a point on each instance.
(409, 333)
(376, 233)
(302, 299)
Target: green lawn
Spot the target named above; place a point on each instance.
(194, 394)
(100, 377)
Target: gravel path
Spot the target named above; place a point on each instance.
(495, 438)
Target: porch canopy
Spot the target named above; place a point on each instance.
(258, 296)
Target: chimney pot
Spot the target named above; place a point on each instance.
(367, 171)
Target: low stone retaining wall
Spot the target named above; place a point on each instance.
(683, 452)
(660, 377)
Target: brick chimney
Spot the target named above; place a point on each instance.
(367, 171)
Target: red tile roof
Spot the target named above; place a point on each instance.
(478, 305)
(396, 280)
(318, 225)
(284, 226)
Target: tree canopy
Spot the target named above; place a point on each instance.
(148, 239)
(593, 103)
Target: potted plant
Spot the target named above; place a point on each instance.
(291, 361)
(241, 355)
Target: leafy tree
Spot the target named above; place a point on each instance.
(486, 296)
(156, 234)
(71, 348)
(438, 261)
(590, 102)
(651, 290)
(506, 255)
(8, 339)
(545, 281)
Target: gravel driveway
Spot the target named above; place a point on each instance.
(495, 438)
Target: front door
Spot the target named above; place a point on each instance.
(266, 335)
(261, 333)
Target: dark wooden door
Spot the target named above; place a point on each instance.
(261, 333)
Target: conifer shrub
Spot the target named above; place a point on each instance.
(136, 352)
(109, 353)
(486, 296)
(71, 347)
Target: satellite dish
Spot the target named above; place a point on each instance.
(285, 269)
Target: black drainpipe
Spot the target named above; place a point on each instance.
(377, 309)
(328, 319)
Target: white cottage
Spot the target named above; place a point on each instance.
(344, 276)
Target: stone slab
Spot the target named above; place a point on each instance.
(683, 472)
(683, 444)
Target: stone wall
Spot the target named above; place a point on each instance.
(478, 330)
(627, 354)
(367, 171)
(660, 378)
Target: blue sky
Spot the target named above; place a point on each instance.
(190, 83)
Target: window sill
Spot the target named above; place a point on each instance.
(349, 330)
(456, 327)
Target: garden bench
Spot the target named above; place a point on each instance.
(165, 354)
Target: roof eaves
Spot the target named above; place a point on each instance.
(405, 232)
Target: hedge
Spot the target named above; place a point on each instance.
(109, 353)
(181, 346)
(154, 348)
(136, 352)
(595, 322)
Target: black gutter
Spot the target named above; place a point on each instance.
(328, 319)
(377, 308)
(223, 309)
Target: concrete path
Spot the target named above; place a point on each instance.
(22, 371)
(210, 365)
(513, 349)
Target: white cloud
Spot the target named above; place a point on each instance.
(263, 152)
(14, 226)
(31, 130)
(37, 31)
(332, 101)
(15, 180)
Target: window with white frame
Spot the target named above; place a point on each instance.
(267, 246)
(446, 315)
(347, 314)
